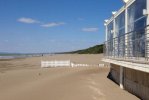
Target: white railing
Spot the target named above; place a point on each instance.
(67, 63)
(45, 64)
(132, 46)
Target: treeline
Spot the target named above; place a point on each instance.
(92, 50)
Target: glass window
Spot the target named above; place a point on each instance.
(136, 19)
(110, 38)
(120, 24)
(136, 27)
(120, 33)
(110, 29)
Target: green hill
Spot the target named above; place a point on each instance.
(92, 50)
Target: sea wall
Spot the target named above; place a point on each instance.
(135, 82)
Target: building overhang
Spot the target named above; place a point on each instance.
(131, 65)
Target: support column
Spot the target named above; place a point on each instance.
(106, 31)
(147, 33)
(106, 44)
(114, 36)
(126, 31)
(121, 77)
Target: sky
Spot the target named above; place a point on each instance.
(39, 26)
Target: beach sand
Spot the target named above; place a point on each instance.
(24, 79)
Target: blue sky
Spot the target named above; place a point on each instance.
(28, 26)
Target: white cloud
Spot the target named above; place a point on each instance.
(28, 20)
(53, 24)
(92, 29)
(33, 21)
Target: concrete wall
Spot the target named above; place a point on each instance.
(115, 73)
(135, 82)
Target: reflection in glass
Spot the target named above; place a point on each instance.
(120, 32)
(110, 38)
(136, 27)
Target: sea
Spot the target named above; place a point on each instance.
(15, 55)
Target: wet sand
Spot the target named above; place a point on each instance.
(23, 79)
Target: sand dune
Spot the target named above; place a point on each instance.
(23, 79)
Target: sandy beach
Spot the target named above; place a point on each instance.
(24, 79)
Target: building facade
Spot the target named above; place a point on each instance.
(127, 47)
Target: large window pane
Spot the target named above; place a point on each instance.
(136, 26)
(110, 39)
(120, 32)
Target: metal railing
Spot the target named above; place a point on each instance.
(132, 46)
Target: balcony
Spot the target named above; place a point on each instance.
(129, 50)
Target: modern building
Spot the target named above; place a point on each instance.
(127, 47)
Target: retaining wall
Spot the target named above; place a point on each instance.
(134, 81)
